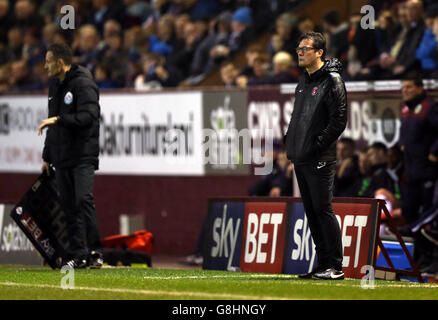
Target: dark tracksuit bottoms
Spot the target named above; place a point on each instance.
(75, 187)
(316, 187)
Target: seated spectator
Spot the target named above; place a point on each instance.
(380, 178)
(286, 34)
(114, 55)
(306, 24)
(104, 10)
(14, 49)
(212, 49)
(33, 50)
(284, 71)
(85, 45)
(6, 21)
(260, 72)
(136, 12)
(102, 75)
(165, 41)
(156, 74)
(348, 168)
(337, 35)
(27, 16)
(362, 183)
(21, 78)
(229, 74)
(182, 58)
(426, 52)
(401, 59)
(362, 53)
(279, 181)
(251, 54)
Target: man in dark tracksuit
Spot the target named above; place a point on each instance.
(318, 119)
(72, 147)
(419, 141)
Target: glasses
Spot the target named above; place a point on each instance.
(304, 50)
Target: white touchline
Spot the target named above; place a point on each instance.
(148, 292)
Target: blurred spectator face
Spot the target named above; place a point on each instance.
(435, 27)
(15, 38)
(165, 28)
(364, 163)
(23, 9)
(402, 15)
(111, 26)
(283, 29)
(228, 73)
(88, 38)
(99, 4)
(344, 151)
(376, 156)
(414, 10)
(58, 37)
(237, 27)
(259, 66)
(251, 55)
(410, 90)
(40, 72)
(49, 32)
(100, 73)
(19, 70)
(394, 158)
(180, 21)
(306, 25)
(4, 8)
(282, 62)
(277, 42)
(115, 42)
(282, 160)
(201, 28)
(385, 20)
(190, 33)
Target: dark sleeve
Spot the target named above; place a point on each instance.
(337, 108)
(87, 109)
(432, 117)
(46, 152)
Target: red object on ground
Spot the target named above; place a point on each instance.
(141, 240)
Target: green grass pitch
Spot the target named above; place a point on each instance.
(25, 282)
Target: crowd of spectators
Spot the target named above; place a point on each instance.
(139, 44)
(146, 44)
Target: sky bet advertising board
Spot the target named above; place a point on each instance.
(273, 236)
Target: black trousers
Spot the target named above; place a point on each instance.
(316, 187)
(75, 187)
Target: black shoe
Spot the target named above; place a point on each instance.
(310, 274)
(76, 263)
(95, 260)
(329, 274)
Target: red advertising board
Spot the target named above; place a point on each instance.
(263, 237)
(358, 223)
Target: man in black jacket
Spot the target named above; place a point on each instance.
(318, 119)
(72, 147)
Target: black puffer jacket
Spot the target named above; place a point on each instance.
(319, 116)
(74, 138)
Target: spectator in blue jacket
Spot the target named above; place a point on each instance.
(427, 48)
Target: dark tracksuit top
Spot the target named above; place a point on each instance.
(74, 139)
(319, 116)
